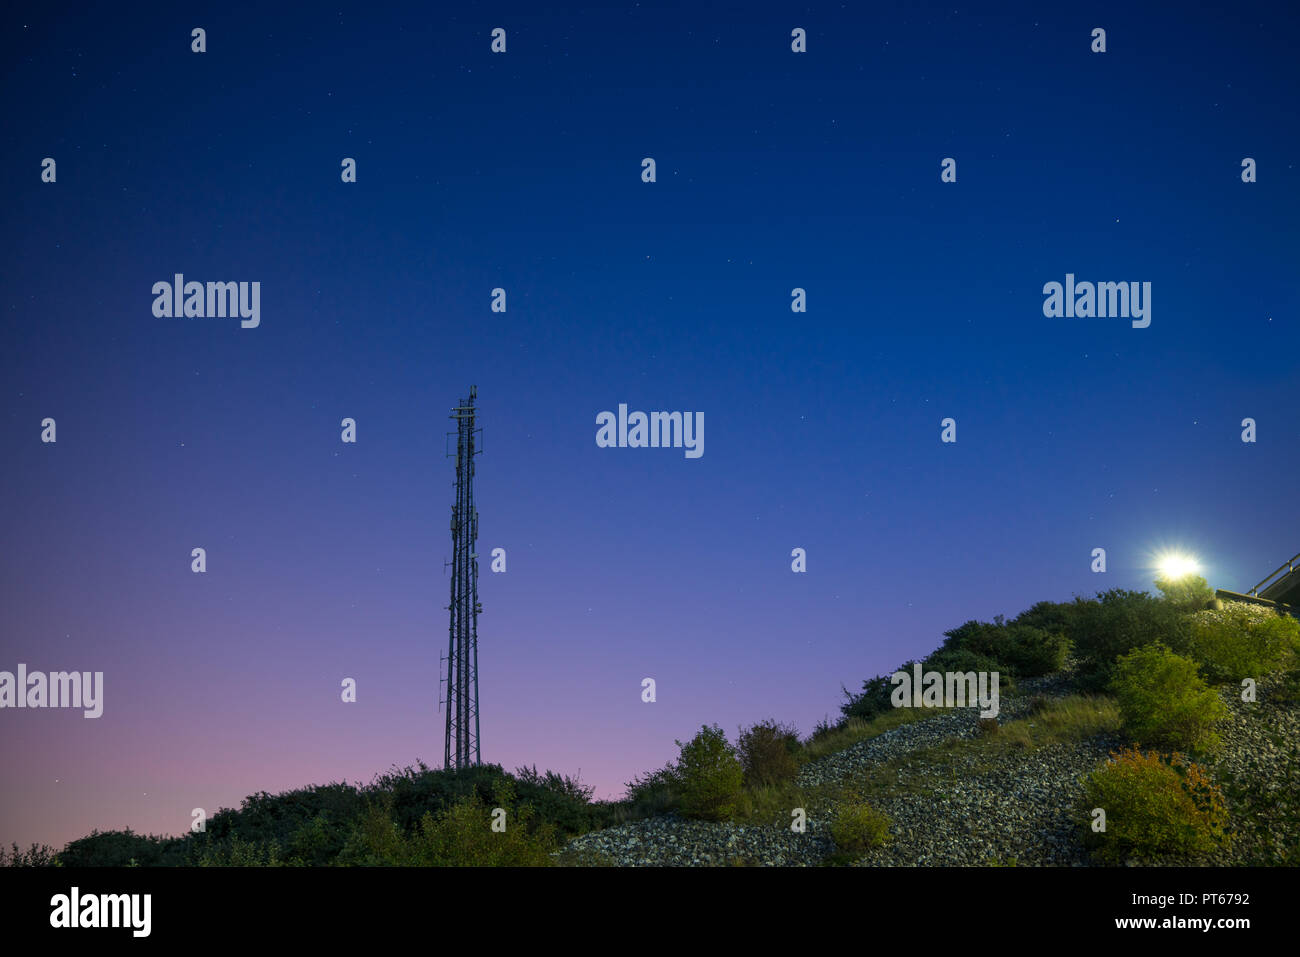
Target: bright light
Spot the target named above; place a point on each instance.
(1174, 567)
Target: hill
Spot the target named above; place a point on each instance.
(1124, 728)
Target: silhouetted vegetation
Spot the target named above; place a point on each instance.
(37, 855)
(769, 753)
(1150, 652)
(412, 815)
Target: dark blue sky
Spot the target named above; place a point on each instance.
(775, 170)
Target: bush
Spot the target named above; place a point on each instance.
(1240, 641)
(710, 776)
(1116, 623)
(1190, 593)
(462, 835)
(1015, 649)
(553, 797)
(873, 699)
(1036, 652)
(654, 793)
(37, 855)
(1019, 649)
(768, 754)
(1153, 806)
(123, 849)
(824, 729)
(1164, 701)
(961, 660)
(1053, 617)
(240, 853)
(858, 827)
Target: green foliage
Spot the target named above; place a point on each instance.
(873, 700)
(1241, 641)
(768, 753)
(315, 844)
(1116, 623)
(1052, 617)
(1034, 644)
(312, 826)
(38, 855)
(462, 835)
(1153, 806)
(308, 824)
(1015, 649)
(858, 827)
(563, 801)
(654, 793)
(240, 853)
(710, 776)
(119, 848)
(962, 660)
(1035, 652)
(1164, 702)
(1190, 593)
(1072, 718)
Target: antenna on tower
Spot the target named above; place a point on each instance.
(462, 747)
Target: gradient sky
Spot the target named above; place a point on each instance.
(522, 170)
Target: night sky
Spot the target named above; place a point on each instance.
(522, 170)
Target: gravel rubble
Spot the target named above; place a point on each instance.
(1018, 812)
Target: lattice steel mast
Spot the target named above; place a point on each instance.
(462, 749)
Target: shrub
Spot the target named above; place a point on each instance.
(462, 835)
(768, 754)
(962, 660)
(1190, 592)
(654, 793)
(240, 853)
(1116, 623)
(1036, 652)
(1164, 701)
(824, 729)
(858, 827)
(37, 855)
(120, 848)
(1241, 641)
(420, 790)
(1053, 617)
(710, 776)
(874, 697)
(313, 821)
(1015, 649)
(1153, 806)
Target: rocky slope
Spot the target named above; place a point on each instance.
(962, 811)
